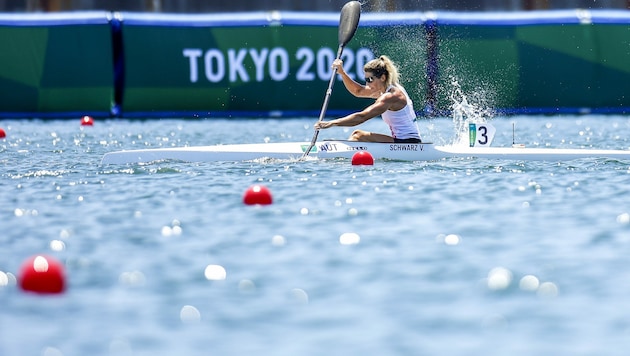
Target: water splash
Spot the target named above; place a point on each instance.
(465, 113)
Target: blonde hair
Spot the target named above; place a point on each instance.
(383, 65)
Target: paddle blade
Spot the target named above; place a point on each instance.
(349, 21)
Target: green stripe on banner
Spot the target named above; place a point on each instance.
(23, 54)
(78, 75)
(483, 61)
(56, 68)
(570, 40)
(567, 66)
(613, 46)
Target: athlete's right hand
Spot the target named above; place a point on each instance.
(338, 65)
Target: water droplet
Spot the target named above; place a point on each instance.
(548, 290)
(189, 315)
(349, 238)
(215, 273)
(452, 239)
(278, 240)
(623, 218)
(529, 283)
(499, 278)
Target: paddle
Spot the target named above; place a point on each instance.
(348, 23)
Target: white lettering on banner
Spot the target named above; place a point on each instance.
(259, 62)
(304, 73)
(278, 64)
(363, 56)
(214, 74)
(348, 62)
(192, 55)
(236, 65)
(274, 63)
(325, 57)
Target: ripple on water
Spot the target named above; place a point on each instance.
(165, 257)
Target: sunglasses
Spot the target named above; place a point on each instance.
(369, 79)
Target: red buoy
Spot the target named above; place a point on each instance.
(42, 274)
(3, 134)
(362, 158)
(87, 121)
(257, 195)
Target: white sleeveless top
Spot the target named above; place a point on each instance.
(401, 122)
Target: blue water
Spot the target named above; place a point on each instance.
(455, 257)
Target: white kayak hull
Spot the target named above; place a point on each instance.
(346, 149)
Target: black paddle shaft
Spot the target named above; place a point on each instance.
(348, 23)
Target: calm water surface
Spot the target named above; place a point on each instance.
(455, 257)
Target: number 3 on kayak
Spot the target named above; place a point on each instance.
(481, 135)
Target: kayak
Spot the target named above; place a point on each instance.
(346, 149)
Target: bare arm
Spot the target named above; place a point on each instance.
(382, 104)
(355, 88)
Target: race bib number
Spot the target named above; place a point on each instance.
(481, 135)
